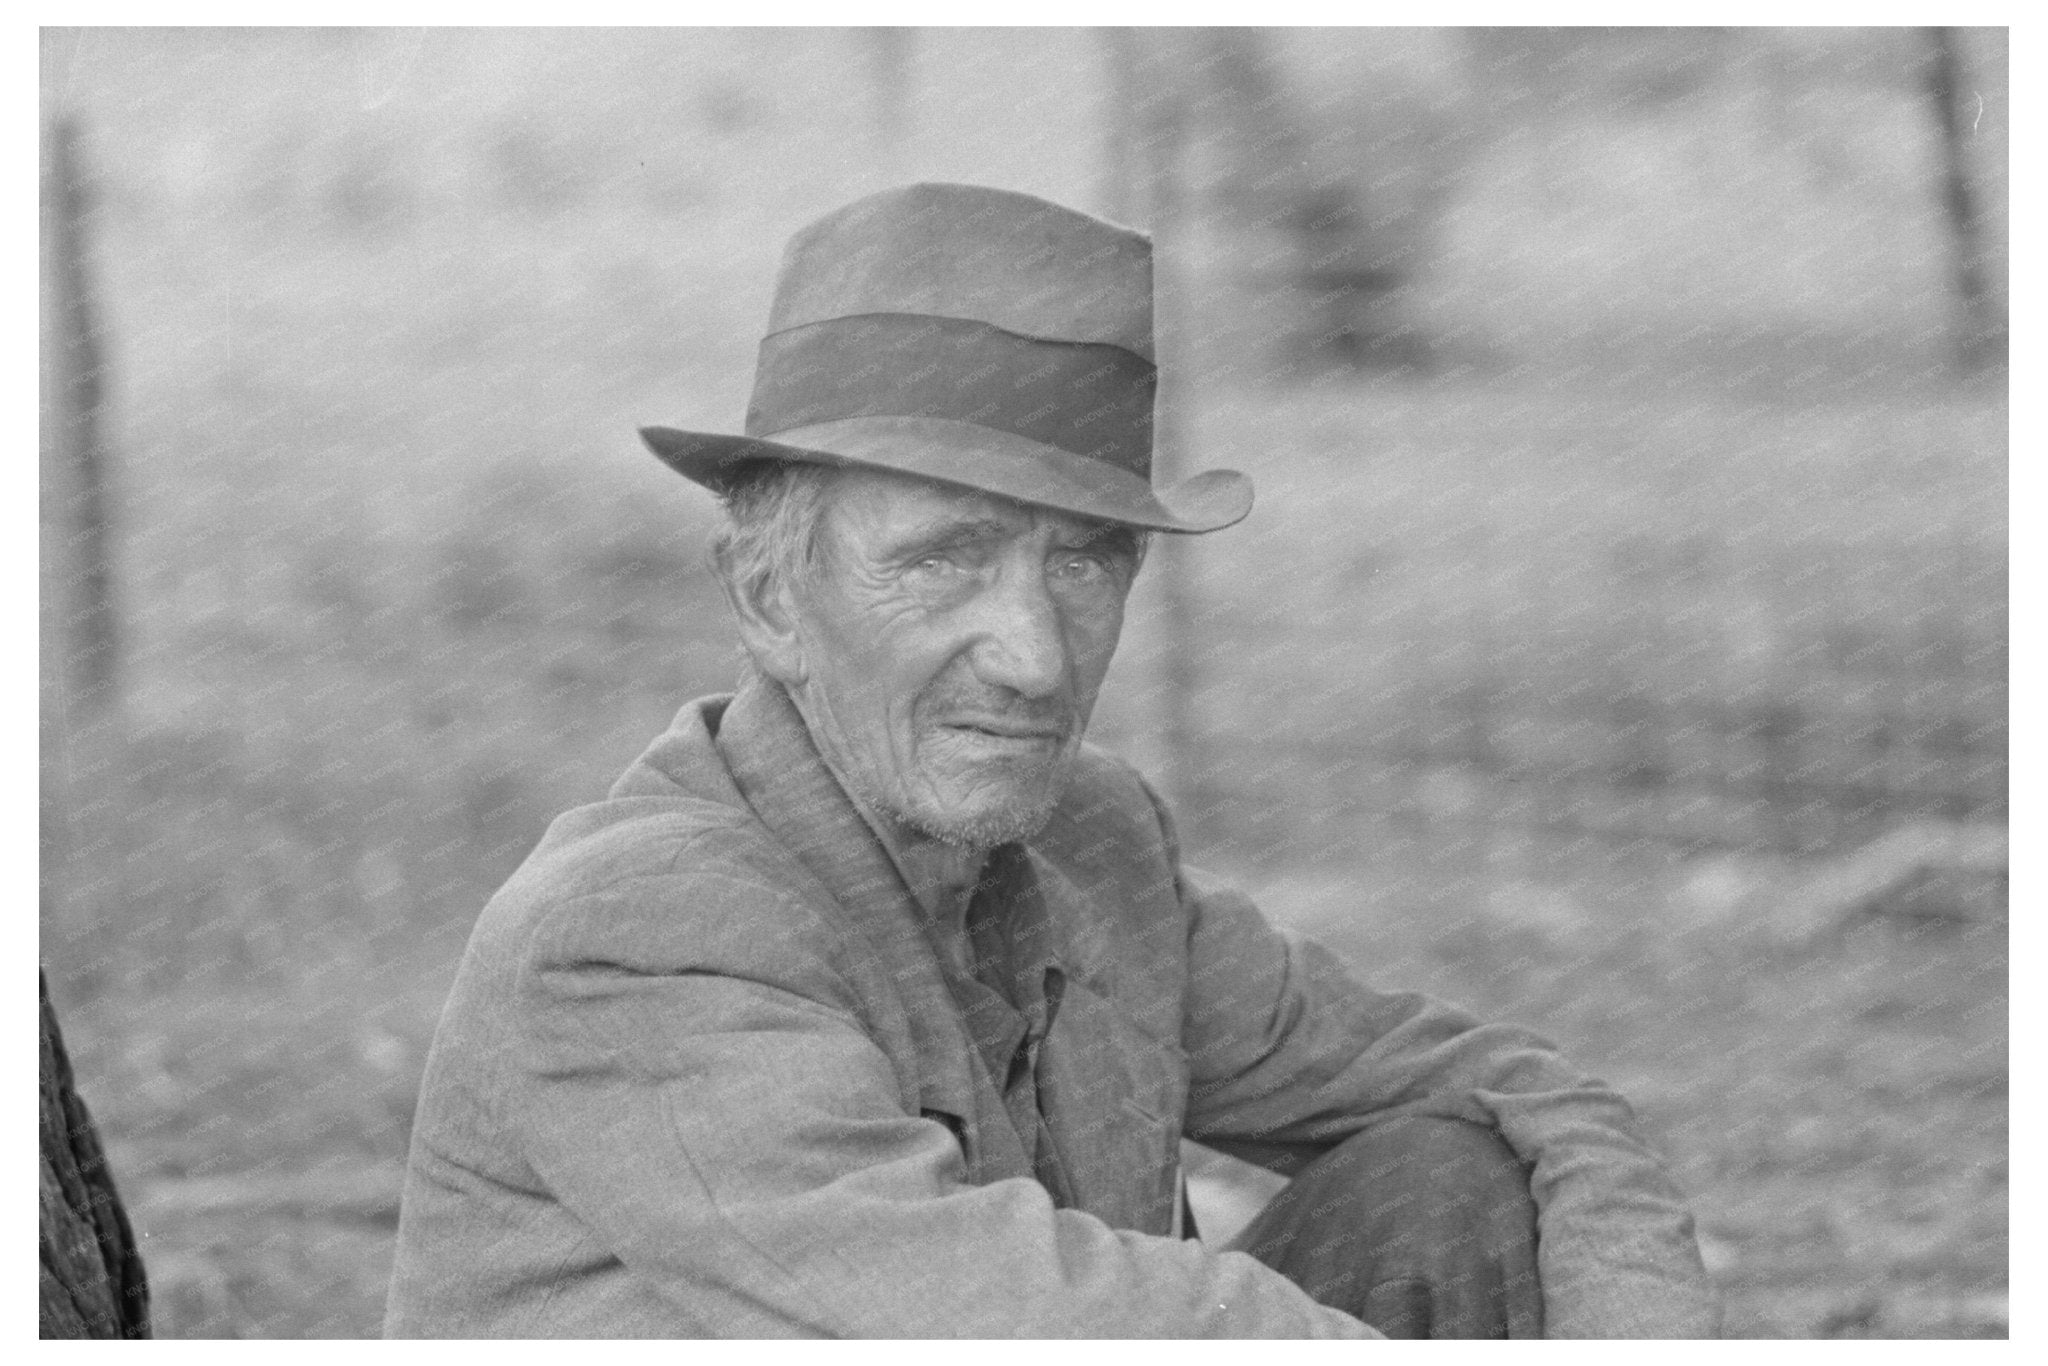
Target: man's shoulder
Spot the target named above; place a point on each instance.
(662, 883)
(610, 845)
(672, 848)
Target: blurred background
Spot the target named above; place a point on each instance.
(1618, 646)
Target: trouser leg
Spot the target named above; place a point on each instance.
(1422, 1227)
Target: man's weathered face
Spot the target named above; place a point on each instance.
(952, 647)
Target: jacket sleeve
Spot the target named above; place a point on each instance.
(1286, 1048)
(723, 1125)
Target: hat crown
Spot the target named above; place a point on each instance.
(971, 252)
(974, 337)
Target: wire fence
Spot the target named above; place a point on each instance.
(1672, 705)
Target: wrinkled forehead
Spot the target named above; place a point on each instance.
(870, 506)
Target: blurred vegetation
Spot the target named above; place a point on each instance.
(1683, 561)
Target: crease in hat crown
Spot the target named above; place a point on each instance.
(979, 337)
(1027, 265)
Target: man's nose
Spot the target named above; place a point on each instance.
(1023, 645)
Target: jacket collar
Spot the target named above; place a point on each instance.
(768, 750)
(779, 772)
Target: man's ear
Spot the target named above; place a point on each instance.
(764, 607)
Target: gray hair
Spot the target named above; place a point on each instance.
(770, 534)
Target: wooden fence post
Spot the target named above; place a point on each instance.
(890, 50)
(1144, 143)
(1117, 193)
(1981, 332)
(1163, 124)
(77, 577)
(77, 628)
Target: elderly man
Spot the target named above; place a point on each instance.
(872, 1002)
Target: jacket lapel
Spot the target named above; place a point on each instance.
(1097, 1121)
(781, 776)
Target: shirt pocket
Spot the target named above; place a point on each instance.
(1114, 1097)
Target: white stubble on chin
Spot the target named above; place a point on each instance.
(959, 808)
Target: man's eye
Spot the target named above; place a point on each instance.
(1081, 568)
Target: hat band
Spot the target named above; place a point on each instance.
(1092, 399)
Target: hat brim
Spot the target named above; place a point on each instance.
(968, 456)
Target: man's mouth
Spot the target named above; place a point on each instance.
(1020, 732)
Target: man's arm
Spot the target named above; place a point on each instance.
(724, 1126)
(1286, 1048)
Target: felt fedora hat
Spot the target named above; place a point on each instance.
(974, 336)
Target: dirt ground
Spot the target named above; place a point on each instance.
(1837, 1113)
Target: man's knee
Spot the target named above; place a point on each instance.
(1429, 1216)
(1409, 1181)
(1437, 1164)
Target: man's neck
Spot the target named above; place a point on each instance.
(941, 876)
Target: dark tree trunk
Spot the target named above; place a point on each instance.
(92, 1282)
